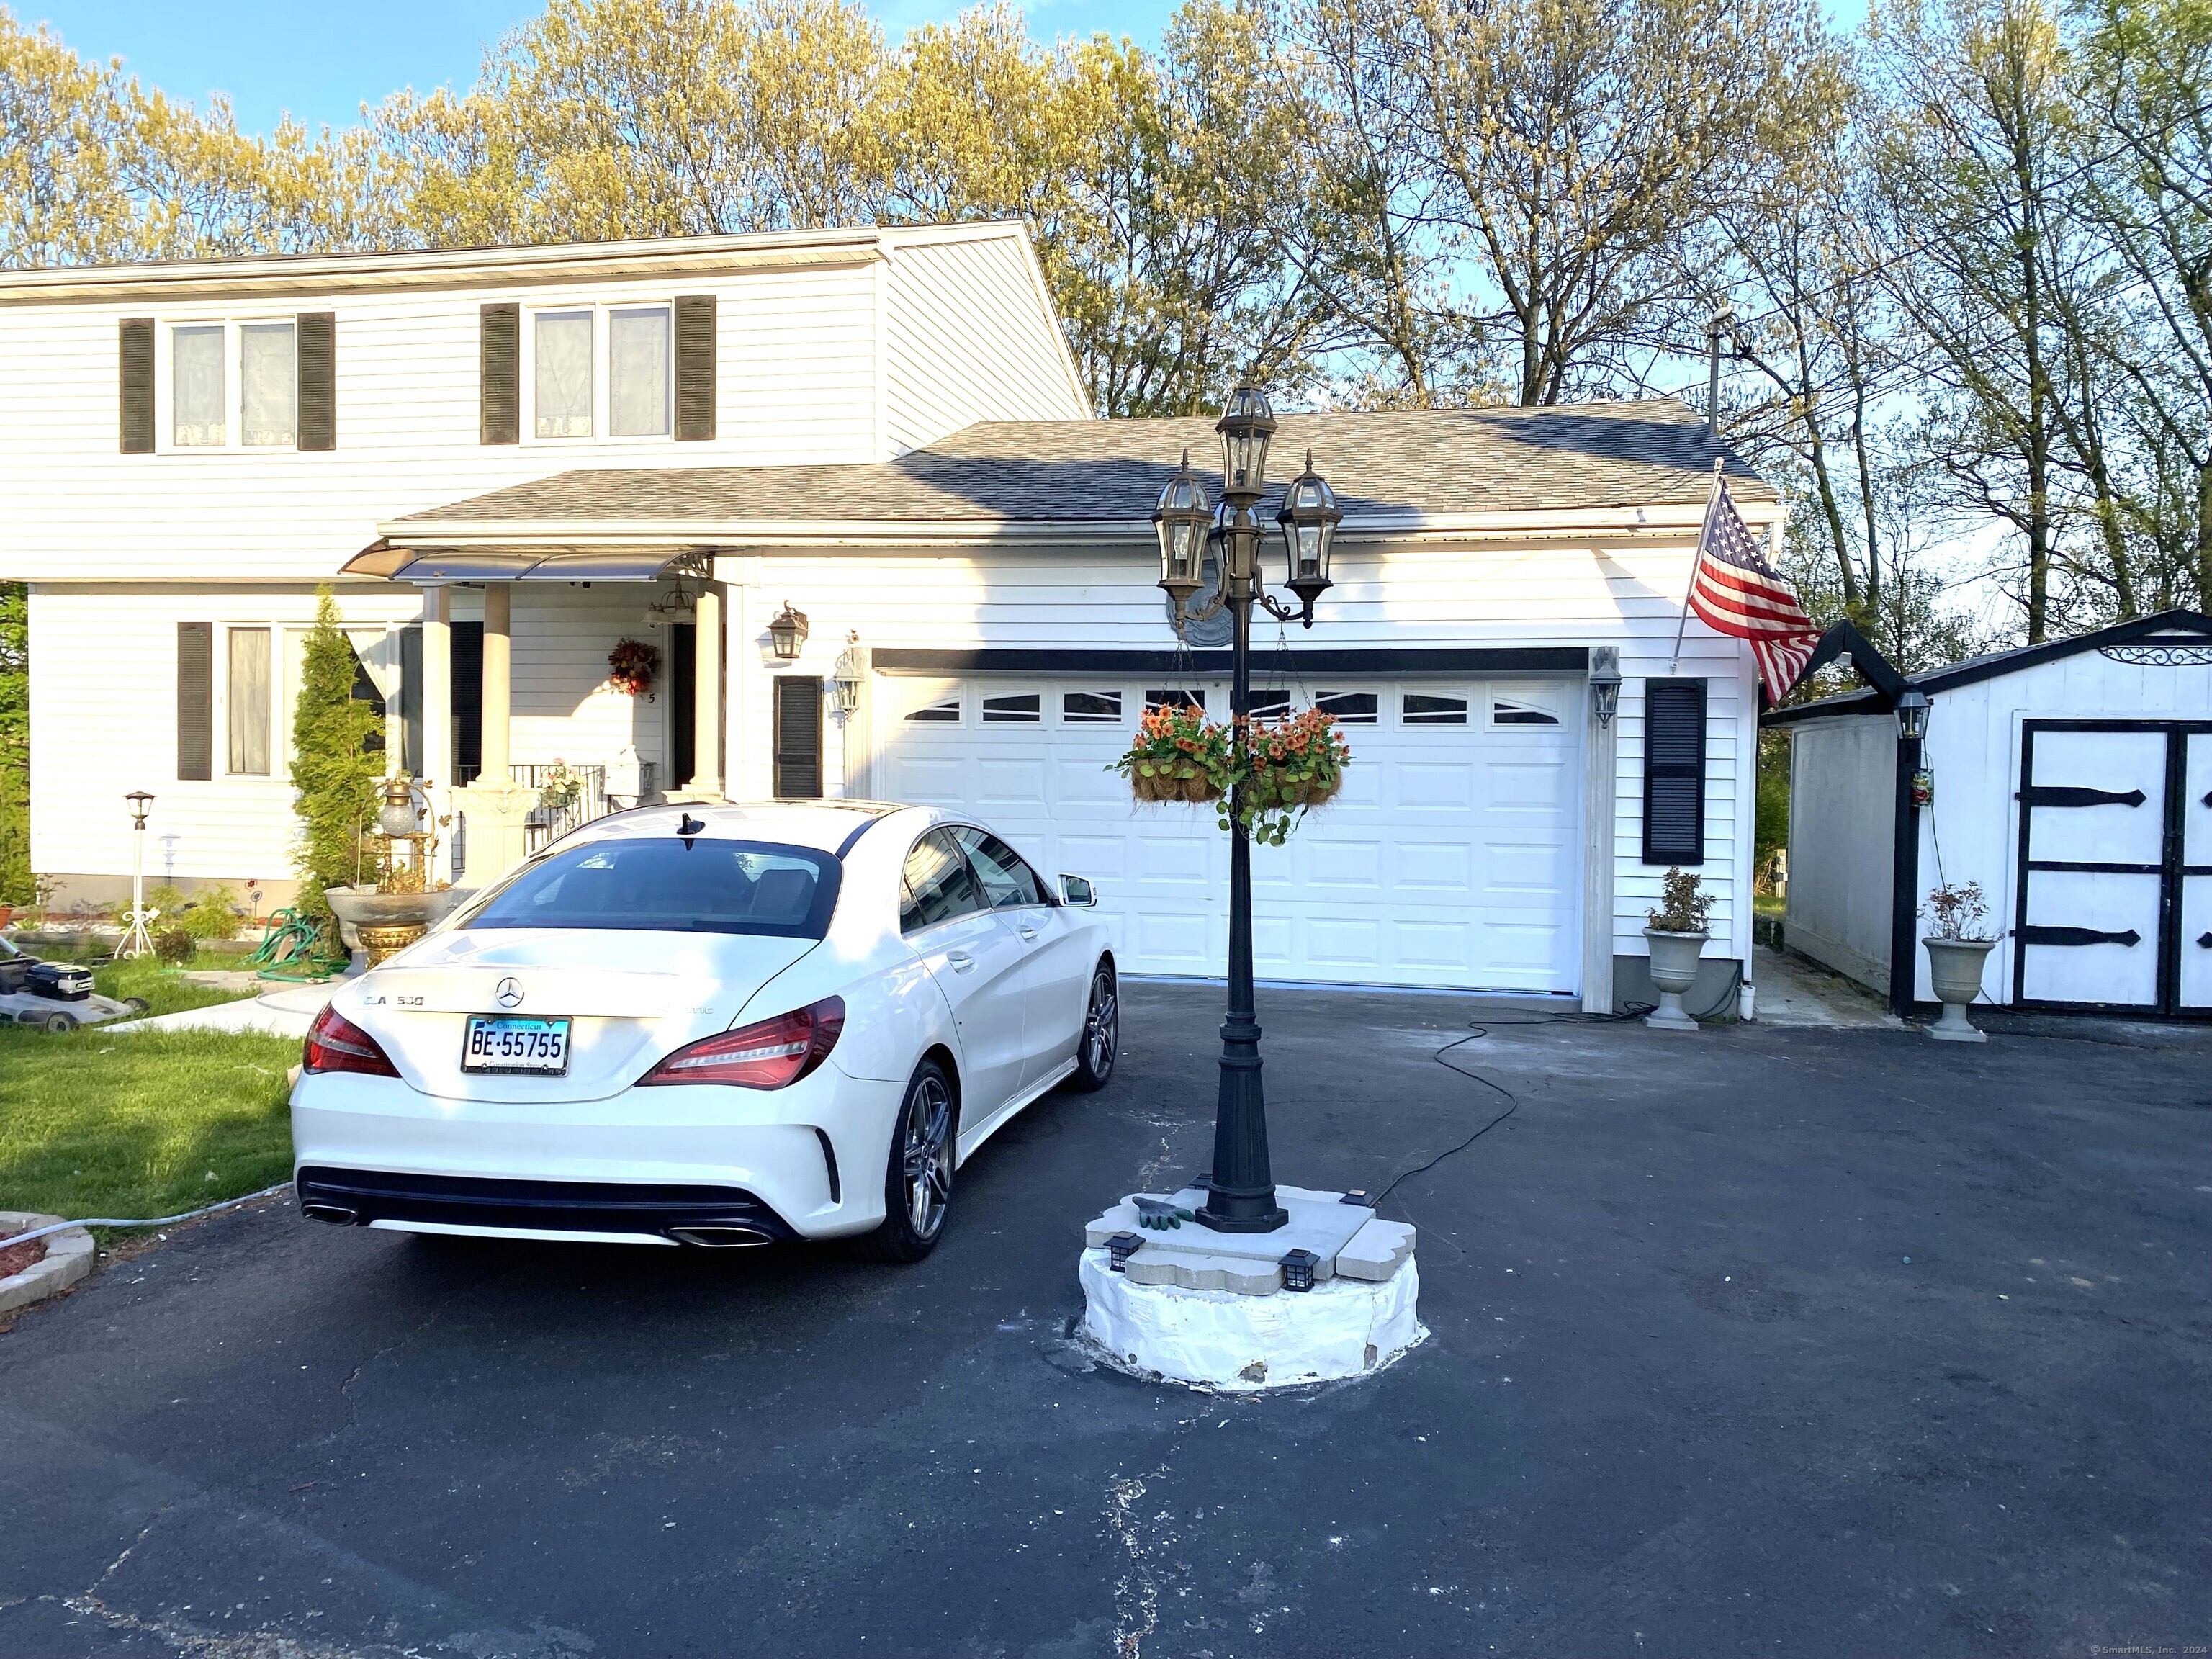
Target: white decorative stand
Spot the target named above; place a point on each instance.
(1213, 1309)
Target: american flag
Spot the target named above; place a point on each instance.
(1736, 591)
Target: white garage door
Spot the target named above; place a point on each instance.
(1452, 857)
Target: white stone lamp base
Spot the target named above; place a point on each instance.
(1211, 1309)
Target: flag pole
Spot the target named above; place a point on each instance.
(1705, 534)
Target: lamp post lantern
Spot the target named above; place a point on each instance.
(138, 941)
(1240, 1192)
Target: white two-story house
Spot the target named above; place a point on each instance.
(844, 493)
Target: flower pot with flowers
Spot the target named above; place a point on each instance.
(1956, 952)
(1290, 766)
(632, 667)
(1179, 755)
(1676, 936)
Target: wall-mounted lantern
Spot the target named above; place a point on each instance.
(788, 631)
(1911, 715)
(852, 670)
(1605, 682)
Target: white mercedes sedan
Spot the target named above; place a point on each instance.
(712, 1025)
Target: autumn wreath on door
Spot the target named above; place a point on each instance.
(631, 666)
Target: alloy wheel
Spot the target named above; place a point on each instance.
(1101, 1026)
(928, 1155)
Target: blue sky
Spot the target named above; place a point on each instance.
(322, 61)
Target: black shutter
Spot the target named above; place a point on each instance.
(695, 366)
(410, 698)
(797, 738)
(134, 375)
(195, 702)
(465, 640)
(315, 358)
(1674, 771)
(500, 375)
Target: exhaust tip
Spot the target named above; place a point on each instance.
(713, 1237)
(336, 1214)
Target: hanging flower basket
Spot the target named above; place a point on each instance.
(632, 667)
(1179, 755)
(1292, 766)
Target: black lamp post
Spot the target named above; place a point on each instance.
(1241, 1195)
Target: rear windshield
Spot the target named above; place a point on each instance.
(668, 885)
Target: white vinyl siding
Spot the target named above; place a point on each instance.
(965, 341)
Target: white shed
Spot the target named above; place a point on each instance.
(2072, 781)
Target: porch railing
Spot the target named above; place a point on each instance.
(546, 823)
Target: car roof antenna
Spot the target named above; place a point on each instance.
(688, 826)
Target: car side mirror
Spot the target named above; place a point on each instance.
(1078, 892)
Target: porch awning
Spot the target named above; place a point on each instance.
(434, 564)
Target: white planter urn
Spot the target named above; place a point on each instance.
(1954, 969)
(1673, 970)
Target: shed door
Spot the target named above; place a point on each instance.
(2115, 866)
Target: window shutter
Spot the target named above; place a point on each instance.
(134, 363)
(797, 738)
(695, 366)
(195, 701)
(1674, 771)
(315, 356)
(500, 375)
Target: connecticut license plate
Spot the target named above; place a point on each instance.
(505, 1043)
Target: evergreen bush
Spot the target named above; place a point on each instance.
(333, 769)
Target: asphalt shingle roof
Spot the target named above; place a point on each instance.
(1393, 463)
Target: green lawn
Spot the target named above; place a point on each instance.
(97, 1123)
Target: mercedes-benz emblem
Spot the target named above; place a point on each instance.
(507, 993)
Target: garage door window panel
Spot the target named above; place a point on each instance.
(1270, 703)
(1434, 708)
(1350, 707)
(1014, 709)
(1173, 697)
(1090, 707)
(1512, 711)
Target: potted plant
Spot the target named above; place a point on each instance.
(1676, 935)
(1957, 950)
(1178, 755)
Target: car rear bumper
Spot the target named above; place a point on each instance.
(709, 1215)
(640, 1166)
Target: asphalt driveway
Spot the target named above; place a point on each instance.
(1758, 1341)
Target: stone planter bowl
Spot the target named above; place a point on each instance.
(361, 911)
(1673, 970)
(1955, 969)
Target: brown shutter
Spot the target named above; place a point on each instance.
(195, 701)
(134, 361)
(695, 366)
(315, 354)
(501, 375)
(797, 738)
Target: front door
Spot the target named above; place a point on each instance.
(2115, 886)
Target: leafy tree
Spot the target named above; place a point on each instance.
(333, 770)
(17, 886)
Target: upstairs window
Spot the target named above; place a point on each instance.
(196, 388)
(637, 372)
(268, 386)
(562, 361)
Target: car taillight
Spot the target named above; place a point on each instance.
(335, 1043)
(770, 1054)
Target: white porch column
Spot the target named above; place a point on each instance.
(707, 779)
(498, 680)
(437, 716)
(498, 839)
(1601, 756)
